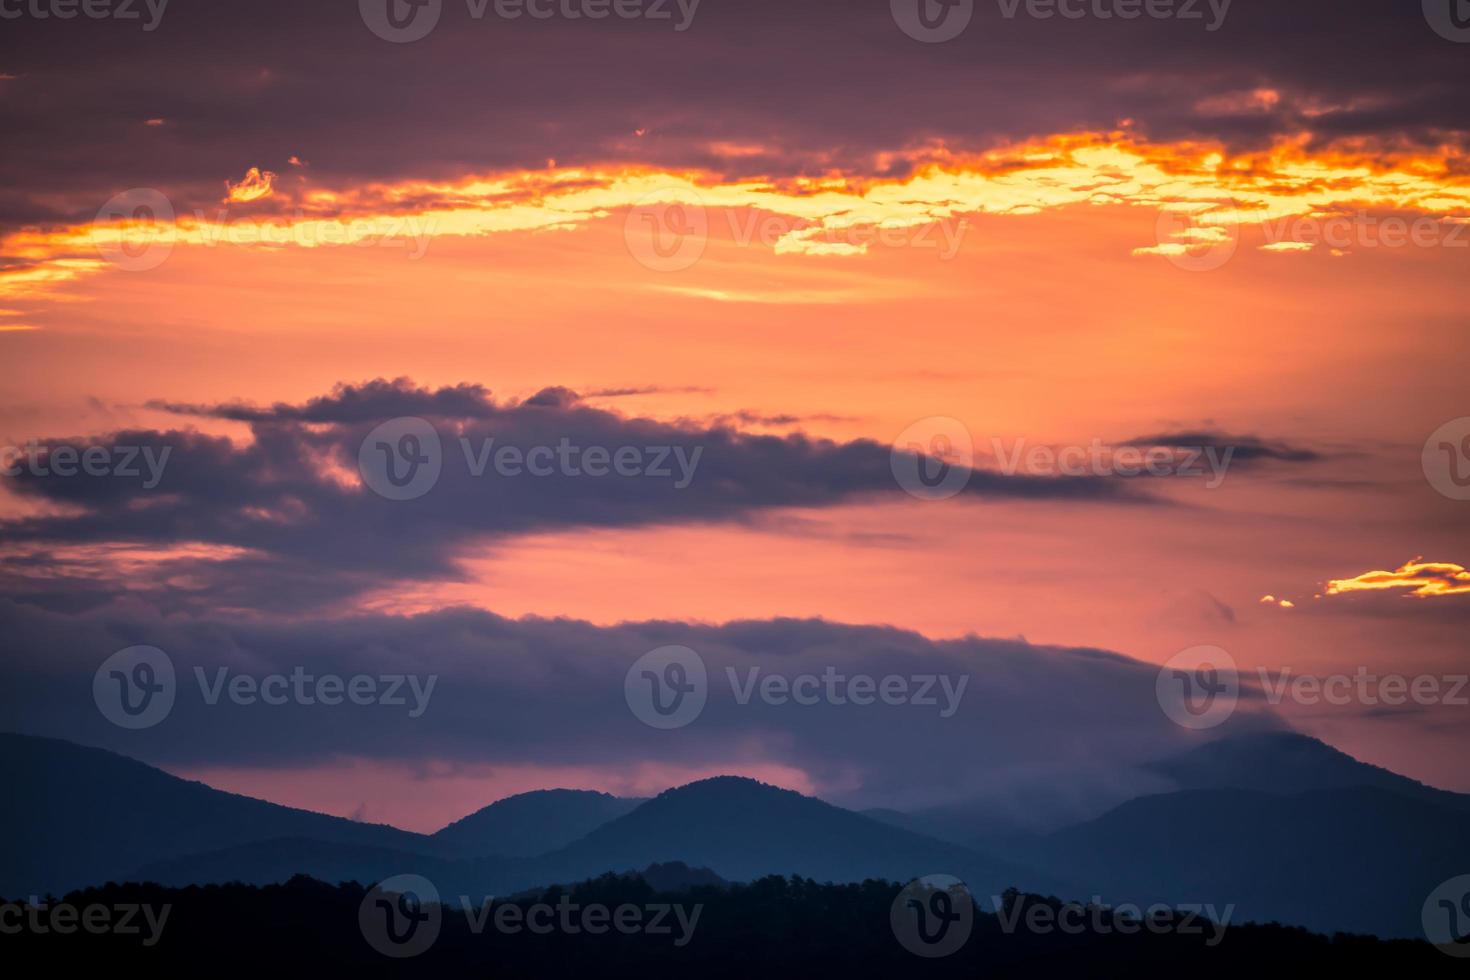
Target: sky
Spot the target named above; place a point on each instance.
(791, 257)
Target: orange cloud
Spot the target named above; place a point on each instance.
(257, 185)
(1213, 193)
(1423, 579)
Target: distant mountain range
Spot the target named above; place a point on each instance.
(1281, 826)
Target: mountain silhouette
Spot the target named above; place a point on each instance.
(1288, 762)
(743, 829)
(91, 816)
(532, 823)
(1358, 850)
(1358, 859)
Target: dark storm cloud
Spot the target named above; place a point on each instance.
(803, 87)
(308, 527)
(552, 693)
(1242, 448)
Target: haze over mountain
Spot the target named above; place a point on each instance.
(1289, 762)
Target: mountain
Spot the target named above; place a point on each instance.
(1359, 859)
(533, 823)
(1286, 762)
(742, 829)
(82, 816)
(737, 829)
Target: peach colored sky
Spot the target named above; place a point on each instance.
(1048, 327)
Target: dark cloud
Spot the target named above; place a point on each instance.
(805, 87)
(1243, 448)
(307, 529)
(551, 692)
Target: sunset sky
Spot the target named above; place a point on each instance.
(783, 232)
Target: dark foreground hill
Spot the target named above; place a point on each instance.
(1358, 860)
(78, 816)
(771, 928)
